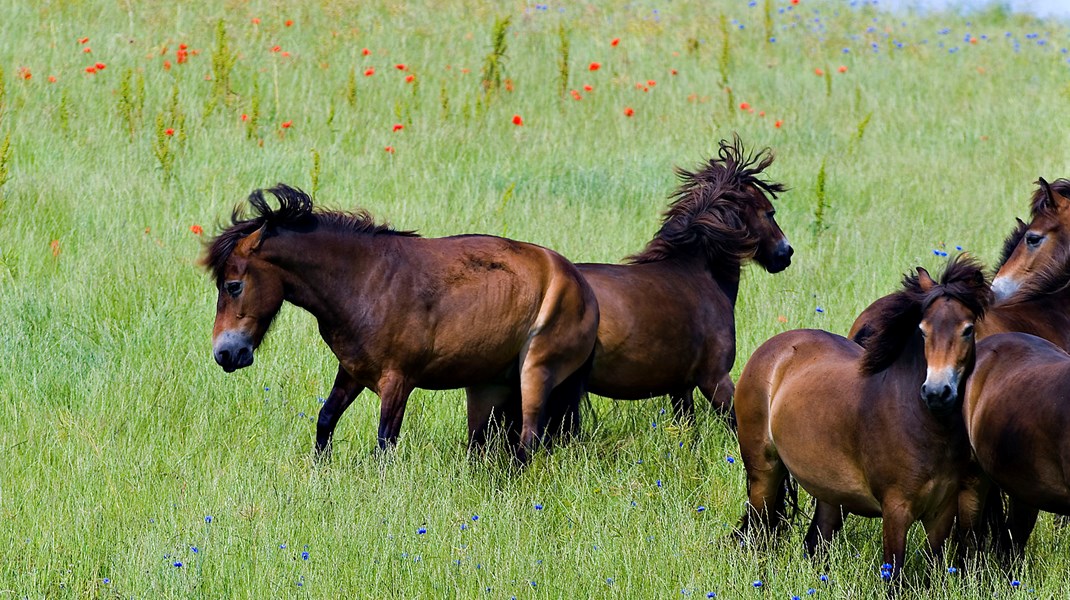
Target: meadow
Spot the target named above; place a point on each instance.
(133, 466)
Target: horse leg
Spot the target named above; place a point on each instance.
(827, 521)
(896, 519)
(483, 402)
(536, 383)
(766, 473)
(394, 392)
(719, 392)
(343, 393)
(938, 529)
(1021, 519)
(683, 405)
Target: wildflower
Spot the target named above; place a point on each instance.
(952, 570)
(289, 22)
(276, 48)
(538, 506)
(166, 65)
(673, 71)
(823, 578)
(778, 123)
(576, 95)
(782, 319)
(369, 71)
(658, 483)
(244, 117)
(757, 583)
(256, 20)
(208, 518)
(181, 56)
(517, 120)
(410, 78)
(52, 79)
(421, 530)
(177, 564)
(1015, 583)
(508, 84)
(711, 594)
(700, 509)
(842, 69)
(304, 555)
(169, 131)
(730, 460)
(744, 106)
(475, 517)
(594, 66)
(628, 112)
(90, 70)
(24, 72)
(651, 83)
(886, 571)
(588, 88)
(794, 1)
(365, 52)
(819, 309)
(400, 66)
(287, 124)
(819, 72)
(87, 50)
(83, 41)
(194, 549)
(196, 229)
(760, 113)
(614, 42)
(107, 581)
(463, 526)
(811, 592)
(398, 127)
(389, 149)
(54, 245)
(183, 47)
(100, 66)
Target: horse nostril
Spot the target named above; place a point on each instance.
(243, 354)
(945, 393)
(791, 251)
(223, 357)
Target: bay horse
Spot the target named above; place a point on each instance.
(512, 323)
(1031, 288)
(1017, 411)
(876, 432)
(667, 315)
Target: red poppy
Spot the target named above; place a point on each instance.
(400, 66)
(182, 46)
(168, 131)
(628, 112)
(54, 245)
(651, 83)
(778, 123)
(256, 20)
(794, 1)
(410, 78)
(369, 71)
(842, 69)
(276, 48)
(87, 49)
(517, 120)
(673, 71)
(244, 117)
(744, 106)
(389, 149)
(289, 22)
(90, 69)
(819, 72)
(83, 41)
(24, 72)
(286, 55)
(576, 95)
(594, 66)
(973, 40)
(614, 41)
(52, 79)
(100, 66)
(365, 52)
(398, 127)
(588, 88)
(287, 124)
(196, 229)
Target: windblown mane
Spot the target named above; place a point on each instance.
(1057, 275)
(899, 316)
(295, 212)
(705, 213)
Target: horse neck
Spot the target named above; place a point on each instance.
(1046, 316)
(725, 275)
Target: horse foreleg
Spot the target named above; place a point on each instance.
(683, 405)
(827, 522)
(896, 522)
(394, 392)
(343, 393)
(1021, 519)
(938, 529)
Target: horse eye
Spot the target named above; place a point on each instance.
(1033, 239)
(967, 331)
(233, 288)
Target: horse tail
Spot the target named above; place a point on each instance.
(790, 506)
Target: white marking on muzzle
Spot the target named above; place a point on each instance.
(1004, 287)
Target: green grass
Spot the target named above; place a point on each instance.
(119, 434)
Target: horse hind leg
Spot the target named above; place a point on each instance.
(563, 410)
(484, 403)
(720, 393)
(827, 522)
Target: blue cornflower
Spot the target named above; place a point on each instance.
(304, 555)
(1015, 583)
(463, 526)
(772, 40)
(538, 506)
(823, 578)
(757, 583)
(107, 581)
(796, 598)
(609, 581)
(282, 546)
(701, 509)
(533, 584)
(811, 592)
(658, 482)
(952, 570)
(730, 460)
(711, 594)
(177, 564)
(421, 530)
(194, 549)
(959, 248)
(819, 309)
(475, 517)
(653, 424)
(208, 518)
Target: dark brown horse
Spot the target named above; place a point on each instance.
(875, 432)
(512, 323)
(1032, 284)
(1017, 411)
(667, 316)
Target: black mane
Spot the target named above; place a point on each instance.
(900, 314)
(296, 212)
(704, 215)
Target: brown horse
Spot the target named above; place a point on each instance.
(1017, 411)
(1032, 284)
(667, 316)
(874, 432)
(513, 323)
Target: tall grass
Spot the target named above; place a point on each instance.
(120, 436)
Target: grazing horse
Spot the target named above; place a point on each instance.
(1017, 411)
(875, 432)
(667, 316)
(1031, 288)
(513, 323)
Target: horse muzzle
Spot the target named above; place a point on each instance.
(1003, 288)
(940, 394)
(233, 351)
(781, 258)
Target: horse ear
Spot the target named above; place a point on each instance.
(251, 243)
(925, 281)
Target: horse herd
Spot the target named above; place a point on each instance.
(945, 398)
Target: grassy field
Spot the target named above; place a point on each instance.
(132, 466)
